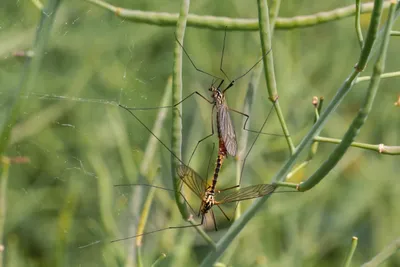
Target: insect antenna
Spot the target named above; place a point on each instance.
(191, 61)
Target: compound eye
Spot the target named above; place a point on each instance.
(210, 89)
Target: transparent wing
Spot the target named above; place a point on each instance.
(192, 180)
(249, 192)
(226, 129)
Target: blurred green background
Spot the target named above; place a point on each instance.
(80, 143)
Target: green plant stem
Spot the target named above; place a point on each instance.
(233, 24)
(383, 76)
(384, 254)
(273, 14)
(142, 224)
(177, 118)
(366, 107)
(239, 224)
(371, 35)
(29, 74)
(380, 148)
(285, 184)
(358, 24)
(395, 33)
(159, 260)
(265, 36)
(3, 203)
(176, 142)
(353, 247)
(314, 146)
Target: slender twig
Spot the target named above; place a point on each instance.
(358, 24)
(273, 14)
(380, 148)
(176, 142)
(384, 254)
(266, 37)
(233, 24)
(159, 260)
(383, 76)
(353, 247)
(395, 33)
(314, 145)
(366, 107)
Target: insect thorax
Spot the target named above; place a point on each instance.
(208, 201)
(217, 95)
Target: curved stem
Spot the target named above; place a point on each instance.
(380, 148)
(233, 24)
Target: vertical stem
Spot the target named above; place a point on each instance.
(266, 36)
(176, 143)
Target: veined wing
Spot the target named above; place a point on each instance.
(192, 180)
(249, 192)
(226, 129)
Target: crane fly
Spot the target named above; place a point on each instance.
(225, 129)
(205, 192)
(209, 198)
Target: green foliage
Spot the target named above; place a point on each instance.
(80, 143)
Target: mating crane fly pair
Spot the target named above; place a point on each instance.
(227, 145)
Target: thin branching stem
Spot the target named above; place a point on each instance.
(383, 76)
(233, 24)
(366, 107)
(380, 148)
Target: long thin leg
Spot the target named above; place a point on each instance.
(191, 61)
(159, 187)
(174, 105)
(214, 221)
(152, 232)
(252, 144)
(249, 130)
(201, 140)
(223, 212)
